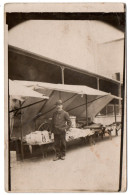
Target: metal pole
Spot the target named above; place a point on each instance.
(98, 83)
(86, 109)
(115, 118)
(119, 94)
(62, 71)
(115, 112)
(26, 106)
(22, 152)
(9, 139)
(98, 87)
(119, 89)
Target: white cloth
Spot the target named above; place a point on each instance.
(42, 137)
(76, 133)
(38, 138)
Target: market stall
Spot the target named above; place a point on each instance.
(18, 95)
(82, 102)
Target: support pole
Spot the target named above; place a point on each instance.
(86, 109)
(22, 152)
(115, 112)
(115, 117)
(98, 87)
(62, 72)
(119, 94)
(17, 109)
(119, 89)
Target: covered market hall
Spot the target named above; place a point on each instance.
(81, 63)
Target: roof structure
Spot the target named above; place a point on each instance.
(89, 45)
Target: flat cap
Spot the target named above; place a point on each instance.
(59, 102)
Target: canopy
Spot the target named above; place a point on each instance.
(74, 97)
(78, 89)
(18, 91)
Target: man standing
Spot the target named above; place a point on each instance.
(60, 124)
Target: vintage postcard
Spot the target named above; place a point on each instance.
(65, 97)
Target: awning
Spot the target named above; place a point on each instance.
(18, 91)
(73, 97)
(79, 89)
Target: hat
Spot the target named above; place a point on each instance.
(59, 102)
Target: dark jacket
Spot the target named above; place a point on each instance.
(60, 122)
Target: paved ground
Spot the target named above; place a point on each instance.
(85, 168)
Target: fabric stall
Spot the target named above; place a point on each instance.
(81, 102)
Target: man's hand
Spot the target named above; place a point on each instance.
(50, 134)
(68, 129)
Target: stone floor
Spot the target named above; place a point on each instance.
(86, 168)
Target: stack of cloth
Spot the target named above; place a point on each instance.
(75, 133)
(38, 138)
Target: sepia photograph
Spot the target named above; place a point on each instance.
(65, 105)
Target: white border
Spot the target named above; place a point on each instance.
(2, 2)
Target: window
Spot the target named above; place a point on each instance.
(109, 110)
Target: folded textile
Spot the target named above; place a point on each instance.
(38, 137)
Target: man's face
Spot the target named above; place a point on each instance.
(59, 107)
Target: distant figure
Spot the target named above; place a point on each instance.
(60, 124)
